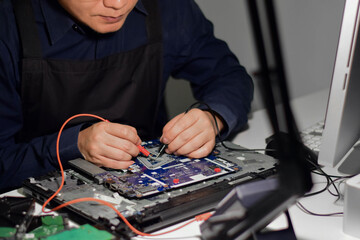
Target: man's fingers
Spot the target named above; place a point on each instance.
(172, 122)
(110, 157)
(202, 151)
(167, 136)
(191, 134)
(178, 125)
(197, 142)
(123, 131)
(117, 146)
(183, 141)
(101, 144)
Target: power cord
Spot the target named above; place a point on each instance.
(330, 181)
(302, 208)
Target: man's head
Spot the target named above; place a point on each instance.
(103, 16)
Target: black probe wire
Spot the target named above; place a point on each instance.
(330, 182)
(335, 176)
(340, 181)
(307, 211)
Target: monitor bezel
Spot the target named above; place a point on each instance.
(342, 120)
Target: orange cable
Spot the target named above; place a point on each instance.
(58, 155)
(201, 217)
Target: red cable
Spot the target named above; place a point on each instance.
(58, 155)
(201, 217)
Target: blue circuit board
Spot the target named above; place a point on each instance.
(151, 175)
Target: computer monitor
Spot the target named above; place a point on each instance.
(342, 121)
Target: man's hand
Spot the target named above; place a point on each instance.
(109, 144)
(191, 134)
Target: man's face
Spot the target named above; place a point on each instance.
(103, 16)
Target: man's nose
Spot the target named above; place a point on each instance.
(115, 4)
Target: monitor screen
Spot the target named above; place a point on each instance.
(342, 121)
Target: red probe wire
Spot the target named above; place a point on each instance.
(141, 148)
(201, 217)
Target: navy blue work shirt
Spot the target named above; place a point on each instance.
(190, 52)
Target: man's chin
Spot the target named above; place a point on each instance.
(106, 28)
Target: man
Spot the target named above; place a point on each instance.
(111, 58)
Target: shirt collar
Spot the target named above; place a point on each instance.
(140, 7)
(58, 21)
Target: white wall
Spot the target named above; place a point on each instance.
(309, 34)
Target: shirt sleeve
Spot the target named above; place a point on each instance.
(19, 161)
(215, 74)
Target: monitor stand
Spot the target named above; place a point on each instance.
(350, 164)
